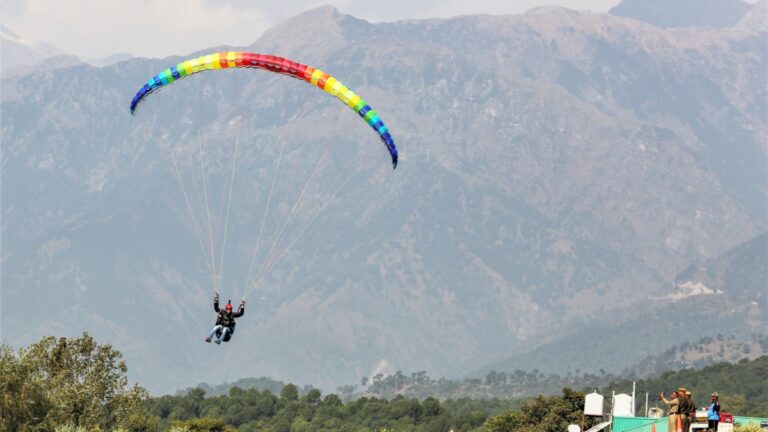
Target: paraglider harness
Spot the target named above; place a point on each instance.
(226, 320)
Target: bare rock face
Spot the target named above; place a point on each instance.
(756, 20)
(18, 53)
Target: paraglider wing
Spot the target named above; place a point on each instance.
(224, 60)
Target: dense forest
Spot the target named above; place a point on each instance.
(743, 386)
(495, 385)
(260, 410)
(501, 385)
(704, 352)
(519, 384)
(76, 384)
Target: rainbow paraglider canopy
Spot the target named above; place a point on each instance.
(233, 59)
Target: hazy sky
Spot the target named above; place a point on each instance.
(156, 28)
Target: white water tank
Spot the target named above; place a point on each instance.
(593, 404)
(622, 405)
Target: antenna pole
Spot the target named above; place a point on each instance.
(633, 398)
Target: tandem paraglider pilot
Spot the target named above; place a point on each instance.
(225, 321)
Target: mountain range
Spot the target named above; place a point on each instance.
(684, 13)
(20, 56)
(18, 52)
(716, 311)
(561, 174)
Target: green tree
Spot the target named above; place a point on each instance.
(733, 403)
(22, 394)
(203, 425)
(143, 422)
(543, 414)
(289, 393)
(301, 425)
(507, 422)
(753, 427)
(312, 397)
(332, 400)
(431, 407)
(69, 381)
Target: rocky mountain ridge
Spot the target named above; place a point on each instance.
(684, 13)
